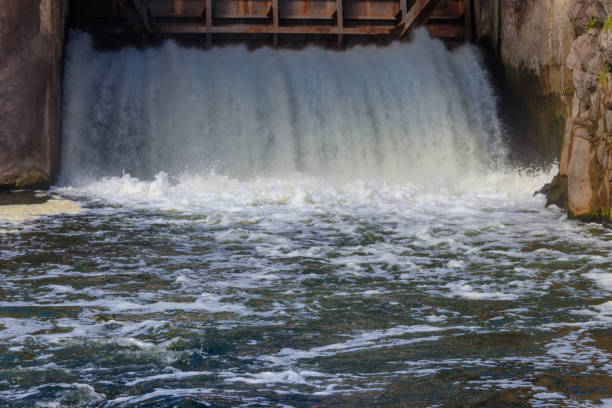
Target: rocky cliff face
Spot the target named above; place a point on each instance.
(584, 183)
(531, 41)
(31, 41)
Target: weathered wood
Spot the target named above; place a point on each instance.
(370, 18)
(275, 22)
(340, 23)
(209, 19)
(418, 14)
(403, 8)
(467, 19)
(446, 31)
(276, 18)
(137, 16)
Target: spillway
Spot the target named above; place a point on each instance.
(403, 113)
(240, 228)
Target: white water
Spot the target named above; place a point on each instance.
(334, 216)
(407, 113)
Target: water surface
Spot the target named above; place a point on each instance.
(296, 229)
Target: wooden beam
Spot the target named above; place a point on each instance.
(404, 8)
(275, 22)
(446, 31)
(467, 19)
(340, 23)
(137, 16)
(418, 14)
(194, 28)
(209, 18)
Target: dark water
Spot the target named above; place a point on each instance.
(296, 229)
(484, 302)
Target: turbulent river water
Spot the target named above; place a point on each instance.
(296, 228)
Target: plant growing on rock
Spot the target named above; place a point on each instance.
(608, 26)
(603, 78)
(594, 22)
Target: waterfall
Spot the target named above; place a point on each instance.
(409, 112)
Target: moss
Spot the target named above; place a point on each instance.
(601, 215)
(33, 179)
(556, 192)
(594, 23)
(603, 77)
(607, 66)
(608, 26)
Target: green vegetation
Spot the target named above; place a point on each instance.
(607, 66)
(603, 78)
(601, 215)
(608, 26)
(594, 22)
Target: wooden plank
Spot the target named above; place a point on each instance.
(448, 10)
(467, 19)
(370, 18)
(309, 17)
(418, 14)
(404, 8)
(144, 16)
(209, 19)
(446, 31)
(136, 15)
(275, 18)
(307, 9)
(243, 16)
(275, 22)
(193, 28)
(340, 23)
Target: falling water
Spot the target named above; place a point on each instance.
(283, 228)
(403, 113)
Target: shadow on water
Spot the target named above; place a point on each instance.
(21, 198)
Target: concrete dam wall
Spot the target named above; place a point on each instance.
(31, 42)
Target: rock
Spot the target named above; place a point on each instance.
(582, 11)
(586, 62)
(586, 156)
(605, 44)
(556, 192)
(580, 191)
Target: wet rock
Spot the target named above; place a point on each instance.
(582, 11)
(580, 191)
(586, 157)
(556, 192)
(605, 44)
(586, 61)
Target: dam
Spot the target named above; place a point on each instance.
(276, 19)
(271, 217)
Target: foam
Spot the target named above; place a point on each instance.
(30, 212)
(603, 279)
(284, 377)
(362, 341)
(169, 376)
